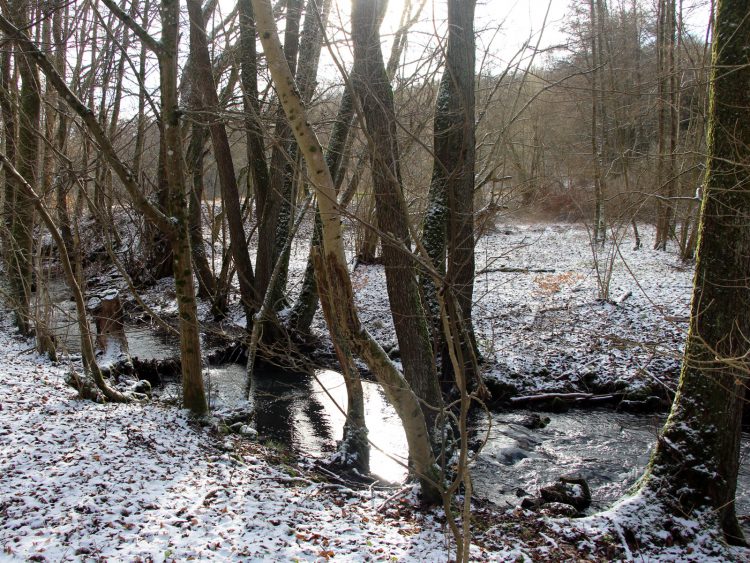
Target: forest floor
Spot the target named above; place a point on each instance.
(549, 315)
(543, 324)
(83, 481)
(143, 482)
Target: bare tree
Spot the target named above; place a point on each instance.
(694, 467)
(21, 212)
(334, 284)
(176, 226)
(373, 90)
(448, 231)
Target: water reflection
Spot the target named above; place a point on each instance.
(306, 414)
(143, 341)
(609, 449)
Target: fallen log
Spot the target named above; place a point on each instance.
(568, 397)
(511, 270)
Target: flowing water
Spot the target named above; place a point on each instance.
(304, 413)
(609, 449)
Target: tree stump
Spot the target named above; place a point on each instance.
(111, 342)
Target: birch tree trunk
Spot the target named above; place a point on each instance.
(273, 203)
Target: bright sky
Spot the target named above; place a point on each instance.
(504, 25)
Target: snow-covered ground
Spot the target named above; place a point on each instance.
(90, 482)
(541, 323)
(552, 331)
(84, 481)
(540, 319)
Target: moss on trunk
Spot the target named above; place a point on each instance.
(697, 456)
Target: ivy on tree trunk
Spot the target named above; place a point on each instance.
(696, 460)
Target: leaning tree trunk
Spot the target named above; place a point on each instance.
(303, 311)
(176, 226)
(311, 42)
(336, 157)
(333, 276)
(87, 346)
(273, 200)
(372, 88)
(697, 457)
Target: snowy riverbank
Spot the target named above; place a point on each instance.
(89, 482)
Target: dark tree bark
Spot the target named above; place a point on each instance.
(697, 456)
(22, 222)
(224, 163)
(373, 89)
(337, 157)
(448, 230)
(8, 109)
(194, 159)
(193, 394)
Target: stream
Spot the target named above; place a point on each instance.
(143, 341)
(609, 449)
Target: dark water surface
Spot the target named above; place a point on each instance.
(304, 413)
(609, 449)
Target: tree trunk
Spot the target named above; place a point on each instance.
(307, 302)
(336, 157)
(177, 225)
(8, 109)
(448, 230)
(224, 163)
(22, 226)
(596, 143)
(256, 155)
(697, 456)
(193, 394)
(207, 286)
(667, 116)
(333, 277)
(273, 204)
(311, 42)
(372, 87)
